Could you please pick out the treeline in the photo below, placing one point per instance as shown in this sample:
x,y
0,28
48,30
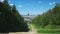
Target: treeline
x,y
10,19
50,17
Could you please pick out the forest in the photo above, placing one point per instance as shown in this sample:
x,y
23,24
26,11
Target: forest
x,y
10,19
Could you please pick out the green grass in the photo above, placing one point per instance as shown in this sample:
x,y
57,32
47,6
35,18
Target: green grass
x,y
49,31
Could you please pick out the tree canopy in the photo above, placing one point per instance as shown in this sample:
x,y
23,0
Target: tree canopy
x,y
10,19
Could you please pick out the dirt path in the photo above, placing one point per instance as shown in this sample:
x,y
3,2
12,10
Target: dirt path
x,y
32,31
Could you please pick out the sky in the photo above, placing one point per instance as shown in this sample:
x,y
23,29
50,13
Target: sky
x,y
33,7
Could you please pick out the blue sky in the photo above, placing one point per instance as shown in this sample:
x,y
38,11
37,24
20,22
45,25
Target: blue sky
x,y
33,7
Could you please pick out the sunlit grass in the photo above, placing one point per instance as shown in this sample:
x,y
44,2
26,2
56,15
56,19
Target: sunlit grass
x,y
48,33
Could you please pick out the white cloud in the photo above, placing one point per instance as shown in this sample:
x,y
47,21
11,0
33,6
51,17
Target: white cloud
x,y
11,4
20,6
1,0
54,2
51,3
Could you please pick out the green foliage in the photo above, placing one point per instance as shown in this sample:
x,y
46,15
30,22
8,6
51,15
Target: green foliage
x,y
51,17
10,19
48,31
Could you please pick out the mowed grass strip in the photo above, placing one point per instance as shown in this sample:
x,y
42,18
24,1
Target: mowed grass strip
x,y
49,31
